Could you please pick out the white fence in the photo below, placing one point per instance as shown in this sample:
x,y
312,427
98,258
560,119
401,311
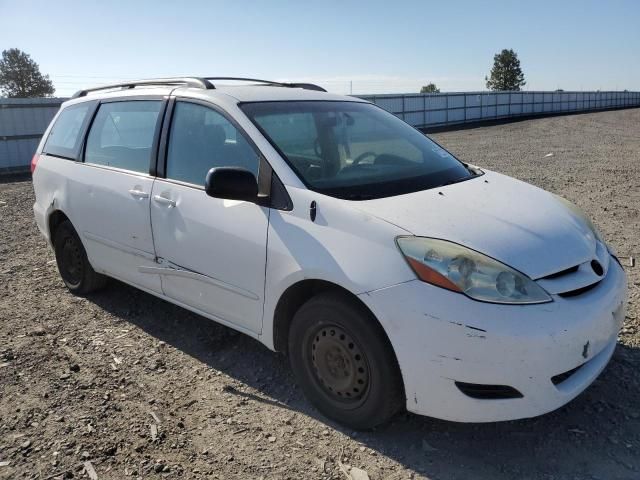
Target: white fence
x,y
23,121
443,109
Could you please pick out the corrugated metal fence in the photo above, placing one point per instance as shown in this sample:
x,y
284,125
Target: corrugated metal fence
x,y
442,109
23,121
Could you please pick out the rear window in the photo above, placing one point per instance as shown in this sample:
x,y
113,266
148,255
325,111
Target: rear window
x,y
122,135
65,137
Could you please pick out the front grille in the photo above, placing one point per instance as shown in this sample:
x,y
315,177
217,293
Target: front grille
x,y
578,291
562,273
561,377
488,392
576,280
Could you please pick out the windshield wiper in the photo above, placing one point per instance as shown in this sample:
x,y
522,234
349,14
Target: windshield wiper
x,y
475,171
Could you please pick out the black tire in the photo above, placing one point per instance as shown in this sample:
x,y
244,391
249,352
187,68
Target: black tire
x,y
73,264
344,362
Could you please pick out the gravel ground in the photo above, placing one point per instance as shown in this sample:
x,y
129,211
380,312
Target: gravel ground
x,y
140,388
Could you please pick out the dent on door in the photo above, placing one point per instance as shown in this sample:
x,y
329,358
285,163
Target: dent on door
x,y
211,253
176,271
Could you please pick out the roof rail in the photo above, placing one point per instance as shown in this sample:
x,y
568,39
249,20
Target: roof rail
x,y
187,81
306,86
196,82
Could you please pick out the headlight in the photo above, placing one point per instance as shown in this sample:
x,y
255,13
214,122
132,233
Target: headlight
x,y
463,270
581,215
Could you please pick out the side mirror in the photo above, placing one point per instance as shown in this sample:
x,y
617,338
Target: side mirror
x,y
231,183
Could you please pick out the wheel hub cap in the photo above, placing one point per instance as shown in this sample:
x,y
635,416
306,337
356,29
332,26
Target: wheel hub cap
x,y
339,364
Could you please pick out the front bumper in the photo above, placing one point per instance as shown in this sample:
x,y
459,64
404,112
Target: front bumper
x,y
441,337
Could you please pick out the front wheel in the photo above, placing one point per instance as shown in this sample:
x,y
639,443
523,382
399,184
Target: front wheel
x,y
73,264
344,363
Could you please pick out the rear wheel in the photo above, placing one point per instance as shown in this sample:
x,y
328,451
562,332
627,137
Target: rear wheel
x,y
344,362
73,264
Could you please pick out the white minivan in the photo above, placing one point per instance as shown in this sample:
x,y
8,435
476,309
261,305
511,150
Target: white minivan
x,y
391,273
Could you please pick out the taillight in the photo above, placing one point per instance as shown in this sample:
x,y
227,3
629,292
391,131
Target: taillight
x,y
34,162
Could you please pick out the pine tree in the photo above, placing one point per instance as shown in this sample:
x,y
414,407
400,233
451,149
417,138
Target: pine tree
x,y
506,73
431,88
20,76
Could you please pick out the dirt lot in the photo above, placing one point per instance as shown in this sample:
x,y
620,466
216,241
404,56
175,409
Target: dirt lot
x,y
141,388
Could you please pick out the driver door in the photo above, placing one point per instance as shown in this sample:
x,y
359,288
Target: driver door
x,y
212,251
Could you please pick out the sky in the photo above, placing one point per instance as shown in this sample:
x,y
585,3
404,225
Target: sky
x,y
358,47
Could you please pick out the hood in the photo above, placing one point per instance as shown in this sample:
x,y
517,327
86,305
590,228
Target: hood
x,y
516,223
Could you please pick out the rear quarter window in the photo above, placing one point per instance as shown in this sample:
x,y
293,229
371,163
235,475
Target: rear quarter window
x,y
65,137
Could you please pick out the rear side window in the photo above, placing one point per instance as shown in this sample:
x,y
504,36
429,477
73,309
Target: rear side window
x,y
122,134
65,137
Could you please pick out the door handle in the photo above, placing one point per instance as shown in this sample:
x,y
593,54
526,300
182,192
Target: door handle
x,y
139,193
165,201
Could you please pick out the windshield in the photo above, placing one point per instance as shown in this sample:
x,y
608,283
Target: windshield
x,y
354,150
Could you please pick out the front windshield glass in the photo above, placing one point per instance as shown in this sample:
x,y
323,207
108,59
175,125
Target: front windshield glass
x,y
354,150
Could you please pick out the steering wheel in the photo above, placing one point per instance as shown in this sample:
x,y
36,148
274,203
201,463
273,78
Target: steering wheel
x,y
362,156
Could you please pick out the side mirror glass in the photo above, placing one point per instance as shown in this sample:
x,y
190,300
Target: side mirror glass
x,y
231,183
